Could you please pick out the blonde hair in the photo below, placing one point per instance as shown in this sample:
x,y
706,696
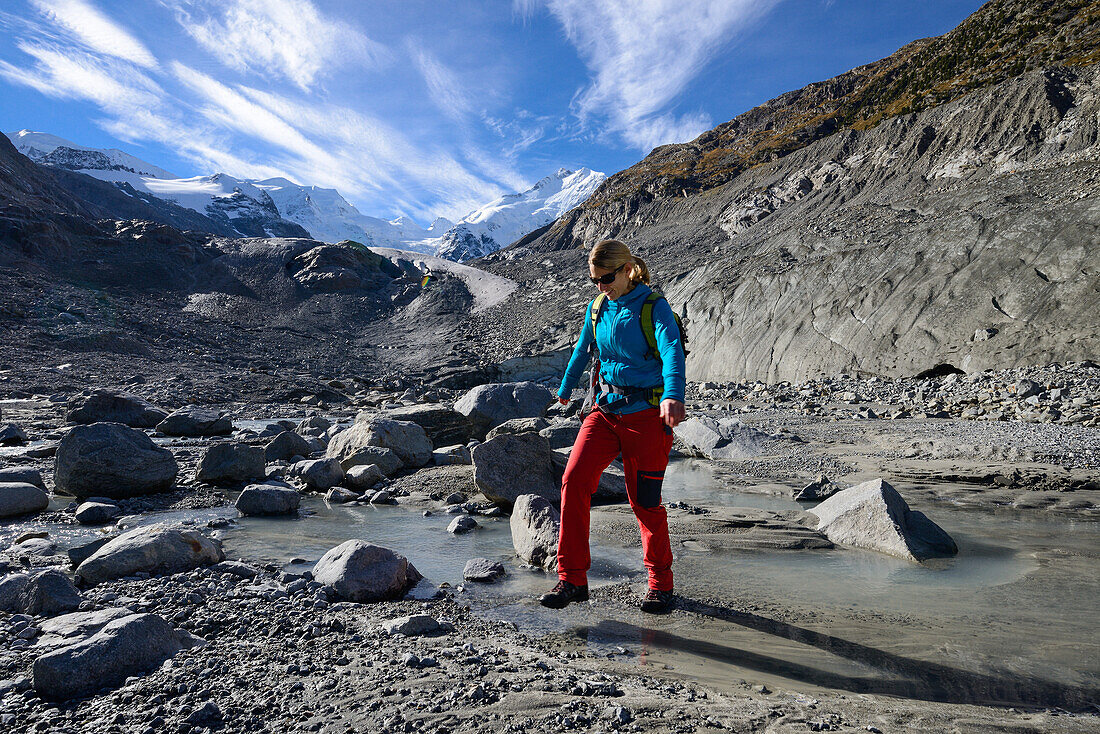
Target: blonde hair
x,y
613,254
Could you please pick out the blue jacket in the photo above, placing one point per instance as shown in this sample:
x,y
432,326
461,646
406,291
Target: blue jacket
x,y
623,349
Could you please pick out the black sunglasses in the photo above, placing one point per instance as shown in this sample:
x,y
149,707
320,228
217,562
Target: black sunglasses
x,y
607,278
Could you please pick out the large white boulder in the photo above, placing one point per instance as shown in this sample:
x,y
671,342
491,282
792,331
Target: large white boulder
x,y
873,515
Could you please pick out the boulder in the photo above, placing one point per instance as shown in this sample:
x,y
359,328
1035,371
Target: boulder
x,y
381,497
12,435
114,406
319,474
518,425
610,490
1025,388
363,572
821,489
20,498
482,570
363,476
24,474
268,499
96,513
44,593
873,515
516,464
340,495
65,629
487,406
561,435
443,425
727,438
124,647
523,463
155,549
406,439
314,427
230,463
411,626
449,455
387,461
79,554
112,460
193,421
462,525
33,546
236,568
535,527
286,446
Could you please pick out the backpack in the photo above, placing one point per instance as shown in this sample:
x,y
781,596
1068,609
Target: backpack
x,y
649,331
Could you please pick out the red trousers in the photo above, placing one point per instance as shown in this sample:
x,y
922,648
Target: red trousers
x,y
644,441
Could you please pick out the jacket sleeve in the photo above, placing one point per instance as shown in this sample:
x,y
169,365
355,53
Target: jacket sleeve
x,y
579,360
671,350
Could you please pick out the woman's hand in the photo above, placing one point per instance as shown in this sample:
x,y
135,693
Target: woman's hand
x,y
563,401
672,412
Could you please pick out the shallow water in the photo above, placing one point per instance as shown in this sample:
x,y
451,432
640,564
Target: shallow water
x,y
1010,620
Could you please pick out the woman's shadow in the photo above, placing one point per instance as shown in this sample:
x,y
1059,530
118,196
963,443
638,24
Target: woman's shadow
x,y
890,674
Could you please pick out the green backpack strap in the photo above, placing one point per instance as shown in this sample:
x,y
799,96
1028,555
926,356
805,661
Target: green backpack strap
x,y
594,312
649,330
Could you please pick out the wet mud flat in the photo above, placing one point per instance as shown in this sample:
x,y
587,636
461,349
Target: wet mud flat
x,y
770,633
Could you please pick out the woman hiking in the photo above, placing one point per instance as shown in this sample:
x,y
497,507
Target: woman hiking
x,y
637,343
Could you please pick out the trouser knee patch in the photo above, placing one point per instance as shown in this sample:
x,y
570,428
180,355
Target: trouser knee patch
x,y
649,488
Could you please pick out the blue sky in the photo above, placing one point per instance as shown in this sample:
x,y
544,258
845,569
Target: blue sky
x,y
422,108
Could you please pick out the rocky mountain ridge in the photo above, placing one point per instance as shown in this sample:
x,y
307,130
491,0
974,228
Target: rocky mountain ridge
x,y
1000,41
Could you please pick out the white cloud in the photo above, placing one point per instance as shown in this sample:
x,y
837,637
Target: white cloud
x,y
647,134
642,54
444,87
96,30
290,37
69,74
367,156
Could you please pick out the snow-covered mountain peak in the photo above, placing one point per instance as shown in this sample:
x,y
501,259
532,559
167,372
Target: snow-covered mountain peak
x,y
505,220
274,206
61,153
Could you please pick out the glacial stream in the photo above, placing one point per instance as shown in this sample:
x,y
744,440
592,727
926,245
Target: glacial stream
x,y
1010,621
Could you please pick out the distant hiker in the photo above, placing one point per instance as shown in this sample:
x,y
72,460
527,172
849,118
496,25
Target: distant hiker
x,y
635,338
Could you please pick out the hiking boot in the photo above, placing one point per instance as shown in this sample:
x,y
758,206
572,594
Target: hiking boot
x,y
562,594
657,602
